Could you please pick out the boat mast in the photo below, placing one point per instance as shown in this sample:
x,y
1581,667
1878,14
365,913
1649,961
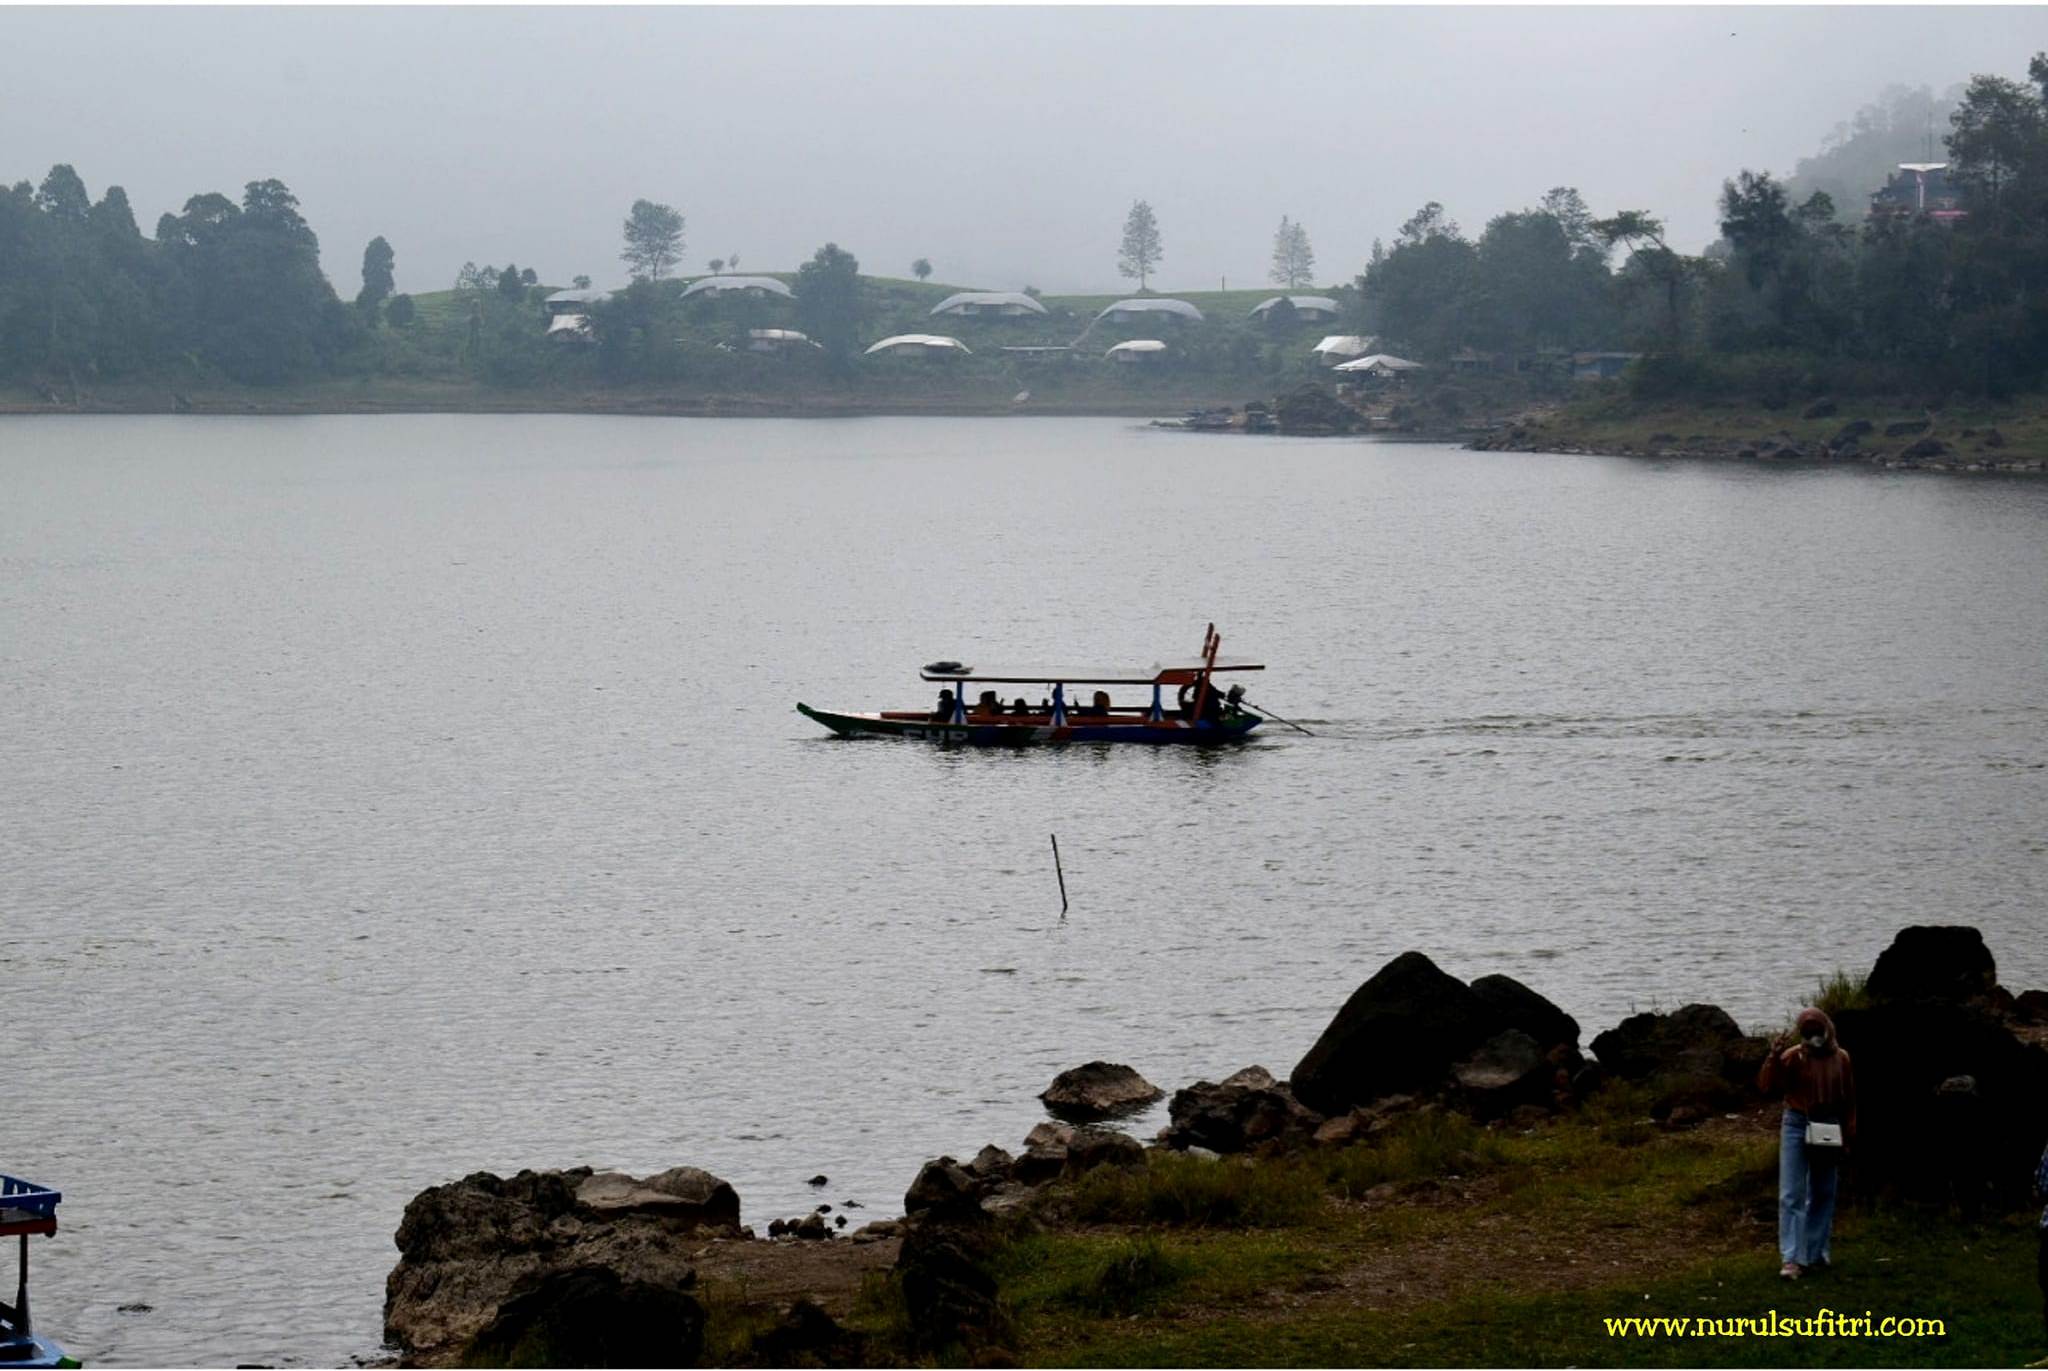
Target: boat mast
x,y
1211,641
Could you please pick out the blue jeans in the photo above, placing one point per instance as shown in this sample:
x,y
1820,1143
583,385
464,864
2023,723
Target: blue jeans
x,y
1806,1193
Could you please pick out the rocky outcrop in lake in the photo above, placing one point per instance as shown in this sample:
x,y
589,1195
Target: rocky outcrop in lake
x,y
1097,1091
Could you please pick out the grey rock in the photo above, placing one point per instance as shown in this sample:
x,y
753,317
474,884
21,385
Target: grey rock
x,y
1098,1090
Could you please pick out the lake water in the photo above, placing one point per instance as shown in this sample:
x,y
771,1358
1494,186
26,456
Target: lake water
x,y
382,799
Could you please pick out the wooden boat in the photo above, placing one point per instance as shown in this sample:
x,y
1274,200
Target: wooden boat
x,y
26,1209
1200,710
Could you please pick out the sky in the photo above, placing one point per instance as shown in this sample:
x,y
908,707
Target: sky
x,y
1004,144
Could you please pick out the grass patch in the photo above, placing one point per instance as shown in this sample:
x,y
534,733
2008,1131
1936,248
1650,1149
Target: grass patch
x,y
1174,1188
732,1320
1843,990
1427,1146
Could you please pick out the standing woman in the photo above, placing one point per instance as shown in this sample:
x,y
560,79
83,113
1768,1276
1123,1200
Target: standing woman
x,y
1819,1128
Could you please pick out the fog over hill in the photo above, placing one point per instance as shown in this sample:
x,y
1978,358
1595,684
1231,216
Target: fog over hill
x,y
1005,145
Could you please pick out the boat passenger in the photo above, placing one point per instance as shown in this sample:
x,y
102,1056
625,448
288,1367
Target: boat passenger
x,y
989,703
945,710
1020,707
1097,707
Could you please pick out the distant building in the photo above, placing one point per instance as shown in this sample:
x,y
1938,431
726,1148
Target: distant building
x,y
1315,309
1342,347
1130,311
737,285
912,344
1600,366
1137,352
564,327
574,301
1381,364
1919,188
775,340
1467,362
1006,304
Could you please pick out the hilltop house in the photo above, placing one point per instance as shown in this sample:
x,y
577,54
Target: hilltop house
x,y
1312,309
1131,311
737,285
1002,304
1342,347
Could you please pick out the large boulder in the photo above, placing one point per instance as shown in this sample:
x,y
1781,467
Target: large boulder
x,y
589,1316
949,1294
1514,1005
1397,1034
696,1198
1098,1090
1508,1070
1093,1147
1694,1057
1934,962
465,1247
1245,1110
806,1335
943,1186
1975,1145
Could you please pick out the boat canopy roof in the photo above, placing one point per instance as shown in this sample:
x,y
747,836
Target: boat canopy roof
x,y
1156,674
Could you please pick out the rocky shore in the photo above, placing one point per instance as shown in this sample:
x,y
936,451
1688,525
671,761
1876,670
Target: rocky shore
x,y
575,1267
1924,443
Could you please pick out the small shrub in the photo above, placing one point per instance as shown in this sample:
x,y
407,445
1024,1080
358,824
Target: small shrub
x,y
1422,1147
1620,1113
1177,1189
1130,1278
1841,991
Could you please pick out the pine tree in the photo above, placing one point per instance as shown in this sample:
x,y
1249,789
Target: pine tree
x,y
1141,251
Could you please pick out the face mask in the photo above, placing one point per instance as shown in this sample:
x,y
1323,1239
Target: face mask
x,y
1816,1041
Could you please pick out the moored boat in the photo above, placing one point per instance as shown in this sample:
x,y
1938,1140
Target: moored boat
x,y
1200,710
26,1210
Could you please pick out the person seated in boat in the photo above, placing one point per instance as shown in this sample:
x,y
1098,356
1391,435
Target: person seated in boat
x,y
945,710
988,703
1020,707
1097,707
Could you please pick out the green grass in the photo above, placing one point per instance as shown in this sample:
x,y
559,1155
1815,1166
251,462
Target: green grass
x,y
1459,1273
1228,1192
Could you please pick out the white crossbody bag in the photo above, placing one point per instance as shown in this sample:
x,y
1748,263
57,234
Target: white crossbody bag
x,y
1823,1135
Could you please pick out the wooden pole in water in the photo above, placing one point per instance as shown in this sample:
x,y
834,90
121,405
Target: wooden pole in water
x,y
1061,873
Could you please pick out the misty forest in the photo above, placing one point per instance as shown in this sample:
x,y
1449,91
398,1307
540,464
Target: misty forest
x,y
1802,289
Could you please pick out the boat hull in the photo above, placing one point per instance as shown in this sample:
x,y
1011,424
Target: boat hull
x,y
1028,734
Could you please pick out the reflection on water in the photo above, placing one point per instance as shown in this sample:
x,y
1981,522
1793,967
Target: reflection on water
x,y
391,798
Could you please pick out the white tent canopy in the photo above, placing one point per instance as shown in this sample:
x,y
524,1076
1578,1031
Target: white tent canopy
x,y
1339,346
725,285
989,302
1151,304
1381,364
929,342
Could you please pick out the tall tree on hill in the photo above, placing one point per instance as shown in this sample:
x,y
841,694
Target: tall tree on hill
x,y
654,239
1996,131
510,284
828,302
400,311
1141,250
1294,261
377,279
63,197
717,265
921,268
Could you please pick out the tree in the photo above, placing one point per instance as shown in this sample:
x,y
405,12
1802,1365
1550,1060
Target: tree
x,y
1643,234
654,240
377,279
717,265
1294,261
63,197
828,302
1426,223
509,283
113,216
1996,129
528,276
581,282
921,268
1141,250
1574,220
732,259
400,311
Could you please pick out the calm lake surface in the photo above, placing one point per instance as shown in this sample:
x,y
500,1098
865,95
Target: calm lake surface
x,y
383,799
